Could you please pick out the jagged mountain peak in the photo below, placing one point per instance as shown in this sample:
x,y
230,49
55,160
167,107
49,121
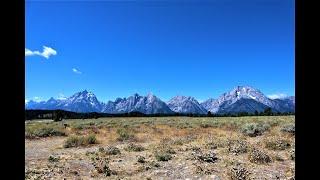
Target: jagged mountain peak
x,y
183,99
148,104
243,92
186,104
240,98
51,99
236,94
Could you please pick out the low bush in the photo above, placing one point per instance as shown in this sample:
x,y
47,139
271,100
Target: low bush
x,y
258,157
289,128
205,125
163,156
53,159
124,135
102,167
219,142
292,154
141,159
238,172
134,147
44,132
254,129
91,139
75,141
164,153
277,144
209,157
278,158
237,146
182,140
111,150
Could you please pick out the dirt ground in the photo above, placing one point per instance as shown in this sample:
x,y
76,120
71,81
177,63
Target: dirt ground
x,y
188,146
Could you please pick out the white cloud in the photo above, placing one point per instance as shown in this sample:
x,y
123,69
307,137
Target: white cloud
x,y
61,96
76,71
277,96
46,53
26,101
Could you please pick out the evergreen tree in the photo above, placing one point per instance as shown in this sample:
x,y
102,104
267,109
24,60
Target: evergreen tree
x,y
57,115
268,111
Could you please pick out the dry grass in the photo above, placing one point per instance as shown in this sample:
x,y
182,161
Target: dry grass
x,y
165,147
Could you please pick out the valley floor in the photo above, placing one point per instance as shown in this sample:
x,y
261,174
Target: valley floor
x,y
162,148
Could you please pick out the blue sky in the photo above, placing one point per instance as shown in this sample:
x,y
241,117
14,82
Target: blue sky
x,y
200,49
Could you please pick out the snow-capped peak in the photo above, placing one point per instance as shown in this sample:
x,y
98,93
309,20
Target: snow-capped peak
x,y
236,94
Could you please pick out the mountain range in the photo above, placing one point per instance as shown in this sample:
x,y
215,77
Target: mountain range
x,y
239,99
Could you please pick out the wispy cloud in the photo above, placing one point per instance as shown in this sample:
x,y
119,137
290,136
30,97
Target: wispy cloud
x,y
46,53
277,96
76,71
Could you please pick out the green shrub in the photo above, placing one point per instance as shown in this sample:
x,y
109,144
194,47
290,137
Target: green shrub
x,y
292,154
163,156
91,139
278,158
277,144
289,128
238,172
237,146
53,159
217,142
44,132
124,135
254,129
169,150
181,140
101,149
75,141
163,153
102,167
205,125
134,147
111,150
259,157
141,159
209,157
154,164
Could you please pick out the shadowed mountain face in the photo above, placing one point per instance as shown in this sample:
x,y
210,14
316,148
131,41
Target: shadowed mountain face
x,y
242,105
239,99
285,104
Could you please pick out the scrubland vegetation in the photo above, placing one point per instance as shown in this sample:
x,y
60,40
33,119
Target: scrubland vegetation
x,y
253,147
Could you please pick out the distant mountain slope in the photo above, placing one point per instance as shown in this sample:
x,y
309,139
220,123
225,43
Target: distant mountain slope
x,y
246,99
149,104
239,99
236,94
242,105
83,101
183,104
285,104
